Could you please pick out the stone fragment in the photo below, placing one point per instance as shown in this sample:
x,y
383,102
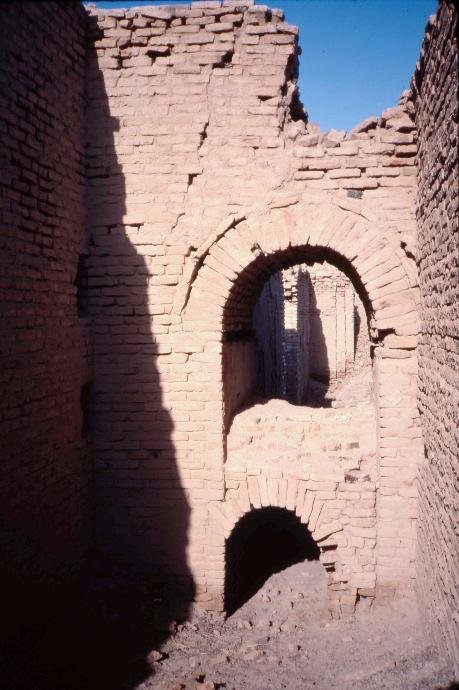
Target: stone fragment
x,y
154,657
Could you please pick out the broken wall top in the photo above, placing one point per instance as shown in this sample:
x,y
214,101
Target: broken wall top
x,y
195,109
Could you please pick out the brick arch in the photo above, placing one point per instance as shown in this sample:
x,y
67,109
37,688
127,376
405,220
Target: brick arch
x,y
237,314
290,494
227,262
232,263
267,492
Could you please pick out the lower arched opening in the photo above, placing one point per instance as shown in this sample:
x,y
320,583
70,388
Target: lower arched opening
x,y
264,542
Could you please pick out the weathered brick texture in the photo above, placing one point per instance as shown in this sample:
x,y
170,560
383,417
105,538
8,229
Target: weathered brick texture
x,y
44,493
204,178
268,327
157,214
435,87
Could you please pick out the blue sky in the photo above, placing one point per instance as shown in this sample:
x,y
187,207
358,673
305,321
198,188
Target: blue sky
x,y
357,55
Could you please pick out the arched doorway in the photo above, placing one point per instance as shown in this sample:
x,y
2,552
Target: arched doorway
x,y
315,459
263,542
257,360
215,301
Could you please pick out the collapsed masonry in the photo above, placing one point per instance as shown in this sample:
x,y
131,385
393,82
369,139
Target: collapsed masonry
x,y
139,272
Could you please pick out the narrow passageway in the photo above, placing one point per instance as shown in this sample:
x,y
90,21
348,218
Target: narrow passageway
x,y
264,542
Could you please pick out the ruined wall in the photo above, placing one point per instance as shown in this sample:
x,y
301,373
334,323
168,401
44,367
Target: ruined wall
x,y
435,87
268,324
331,314
296,334
203,178
202,169
44,494
184,111
304,335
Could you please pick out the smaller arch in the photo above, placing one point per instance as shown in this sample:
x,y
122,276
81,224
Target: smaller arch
x,y
264,541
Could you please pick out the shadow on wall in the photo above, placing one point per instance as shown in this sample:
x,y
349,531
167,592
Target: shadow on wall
x,y
142,515
319,358
357,327
128,606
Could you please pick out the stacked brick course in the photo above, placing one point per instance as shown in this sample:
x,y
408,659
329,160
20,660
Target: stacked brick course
x,y
332,320
435,86
296,334
268,327
45,504
203,179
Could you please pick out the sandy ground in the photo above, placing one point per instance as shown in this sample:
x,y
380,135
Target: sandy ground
x,y
284,638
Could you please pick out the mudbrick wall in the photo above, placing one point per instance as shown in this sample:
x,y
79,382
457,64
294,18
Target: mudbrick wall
x,y
332,320
435,87
44,491
295,334
268,327
204,179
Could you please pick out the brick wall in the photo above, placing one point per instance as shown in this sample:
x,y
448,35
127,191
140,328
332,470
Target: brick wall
x,y
296,333
435,87
204,178
332,323
268,324
44,494
304,334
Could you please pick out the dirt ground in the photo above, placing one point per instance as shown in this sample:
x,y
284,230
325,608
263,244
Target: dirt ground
x,y
284,638
123,635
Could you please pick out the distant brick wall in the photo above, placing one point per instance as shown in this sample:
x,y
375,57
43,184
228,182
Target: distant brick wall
x,y
268,323
296,333
44,493
332,323
435,87
303,333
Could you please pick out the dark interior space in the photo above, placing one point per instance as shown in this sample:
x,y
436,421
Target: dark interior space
x,y
264,542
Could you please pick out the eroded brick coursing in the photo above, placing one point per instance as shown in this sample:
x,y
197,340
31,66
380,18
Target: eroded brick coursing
x,y
435,86
45,505
203,178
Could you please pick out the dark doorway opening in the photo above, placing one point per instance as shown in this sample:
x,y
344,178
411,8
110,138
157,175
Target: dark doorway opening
x,y
262,543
